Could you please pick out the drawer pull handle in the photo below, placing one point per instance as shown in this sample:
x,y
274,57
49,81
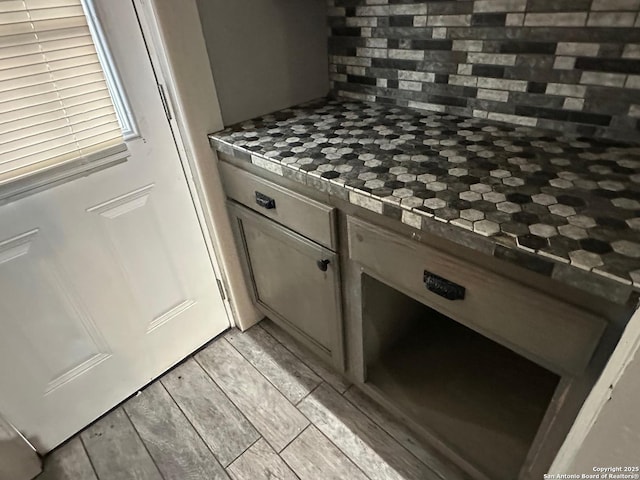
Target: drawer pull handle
x,y
443,287
265,201
323,264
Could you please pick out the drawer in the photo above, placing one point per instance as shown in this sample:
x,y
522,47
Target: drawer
x,y
312,219
546,330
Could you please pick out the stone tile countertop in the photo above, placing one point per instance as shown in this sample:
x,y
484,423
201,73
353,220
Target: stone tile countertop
x,y
566,207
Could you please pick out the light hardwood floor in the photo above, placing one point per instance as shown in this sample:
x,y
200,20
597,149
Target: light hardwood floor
x,y
249,406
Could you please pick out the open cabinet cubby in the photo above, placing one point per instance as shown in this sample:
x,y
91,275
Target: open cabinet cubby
x,y
480,399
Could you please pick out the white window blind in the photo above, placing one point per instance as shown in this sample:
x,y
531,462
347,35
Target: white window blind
x,y
55,106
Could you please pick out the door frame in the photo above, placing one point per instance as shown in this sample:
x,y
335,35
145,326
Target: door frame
x,y
176,47
18,458
627,351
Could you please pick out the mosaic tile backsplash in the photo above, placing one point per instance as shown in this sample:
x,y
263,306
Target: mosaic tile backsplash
x,y
569,65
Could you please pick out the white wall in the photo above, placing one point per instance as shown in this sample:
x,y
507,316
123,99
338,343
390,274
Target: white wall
x,y
265,55
607,430
614,439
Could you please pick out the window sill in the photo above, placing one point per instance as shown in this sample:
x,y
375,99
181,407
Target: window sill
x,y
37,181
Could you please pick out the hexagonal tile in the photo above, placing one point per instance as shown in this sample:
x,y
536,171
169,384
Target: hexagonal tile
x,y
571,201
573,232
585,184
436,186
434,203
626,248
626,203
471,214
499,173
374,184
519,198
486,228
460,222
411,202
343,168
513,181
582,221
634,223
508,207
585,260
543,230
406,177
470,196
544,199
402,192
426,178
367,176
494,197
530,241
611,185
562,210
514,229
398,170
372,162
595,246
560,183
480,188
458,172
531,168
526,218
612,223
446,213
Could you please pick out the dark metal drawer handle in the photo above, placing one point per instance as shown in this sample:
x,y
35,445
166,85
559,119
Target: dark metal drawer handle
x,y
443,287
264,201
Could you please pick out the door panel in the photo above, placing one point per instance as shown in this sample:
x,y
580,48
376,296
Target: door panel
x,y
40,309
127,222
288,283
105,281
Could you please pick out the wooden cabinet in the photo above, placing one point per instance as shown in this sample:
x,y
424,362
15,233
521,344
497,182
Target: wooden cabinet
x,y
546,330
294,280
488,369
478,364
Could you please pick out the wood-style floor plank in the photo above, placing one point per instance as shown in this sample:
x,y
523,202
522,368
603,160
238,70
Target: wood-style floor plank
x,y
218,421
318,366
276,419
398,430
283,369
174,445
68,462
260,462
364,442
313,456
116,451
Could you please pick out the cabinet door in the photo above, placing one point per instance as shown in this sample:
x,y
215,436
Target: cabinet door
x,y
295,281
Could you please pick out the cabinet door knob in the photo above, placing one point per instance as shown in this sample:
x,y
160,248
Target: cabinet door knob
x,y
323,264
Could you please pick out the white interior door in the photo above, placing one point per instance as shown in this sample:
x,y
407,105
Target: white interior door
x,y
105,281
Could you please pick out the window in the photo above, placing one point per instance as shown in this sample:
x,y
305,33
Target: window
x,y
55,104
